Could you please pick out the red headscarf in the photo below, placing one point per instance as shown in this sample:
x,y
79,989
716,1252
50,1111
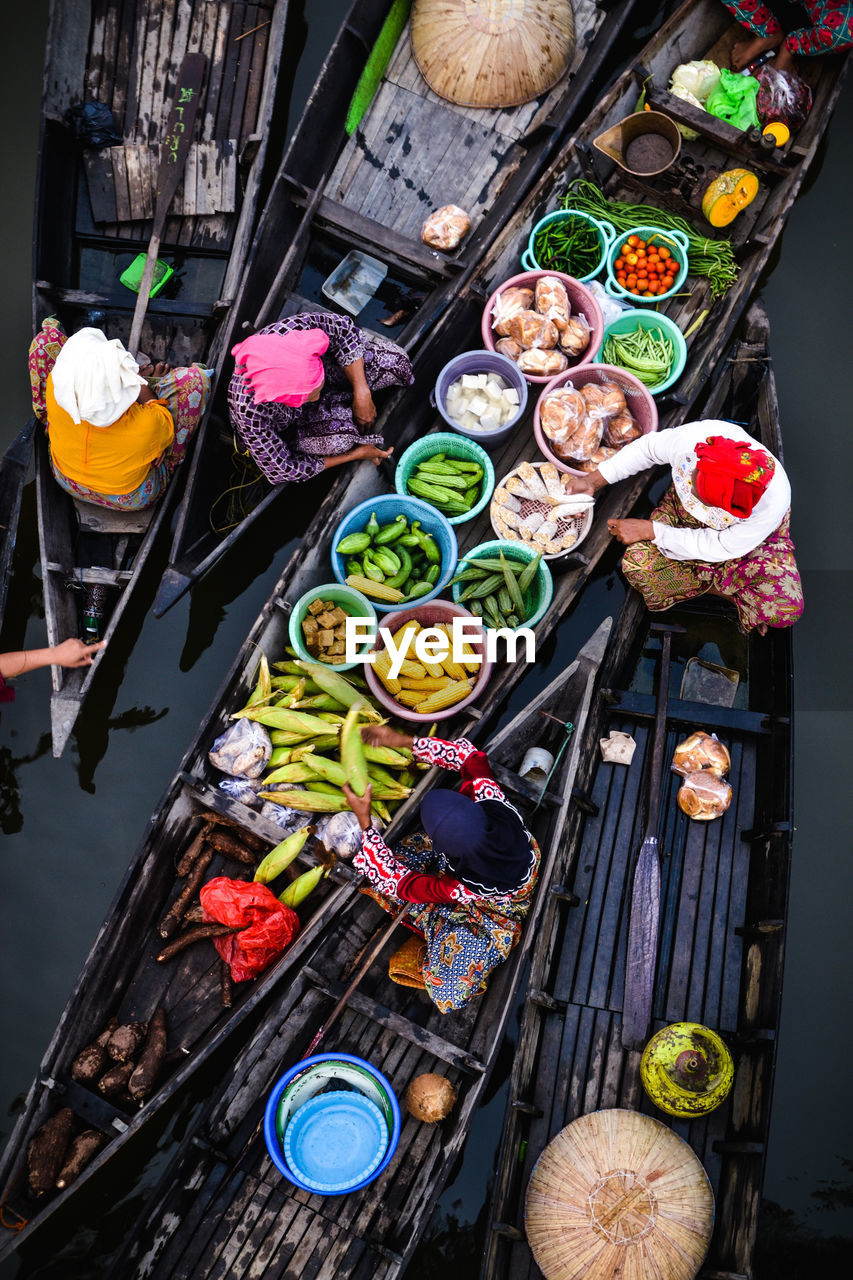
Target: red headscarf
x,y
731,475
283,367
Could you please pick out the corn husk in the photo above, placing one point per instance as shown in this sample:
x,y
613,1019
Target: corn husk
x,y
281,856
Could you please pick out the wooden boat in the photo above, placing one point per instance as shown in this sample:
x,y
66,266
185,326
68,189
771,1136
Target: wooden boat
x,y
412,152
94,215
222,1204
14,466
697,29
723,906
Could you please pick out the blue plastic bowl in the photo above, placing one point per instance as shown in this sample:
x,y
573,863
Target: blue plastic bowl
x,y
275,1147
628,322
335,1142
387,507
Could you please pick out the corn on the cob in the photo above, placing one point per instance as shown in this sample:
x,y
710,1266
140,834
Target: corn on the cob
x,y
352,751
470,661
387,756
281,856
318,702
299,889
297,771
382,667
429,683
323,788
340,688
306,801
444,697
328,770
262,688
410,697
378,590
414,670
454,670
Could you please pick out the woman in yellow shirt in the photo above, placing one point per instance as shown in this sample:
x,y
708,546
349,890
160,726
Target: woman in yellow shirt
x,y
117,430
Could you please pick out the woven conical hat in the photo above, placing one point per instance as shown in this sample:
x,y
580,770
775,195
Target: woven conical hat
x,y
492,53
617,1193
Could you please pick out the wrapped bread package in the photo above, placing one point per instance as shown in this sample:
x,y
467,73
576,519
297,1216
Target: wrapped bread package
x,y
445,227
699,753
601,455
508,304
585,439
703,796
529,329
575,335
562,412
509,347
542,363
551,300
621,429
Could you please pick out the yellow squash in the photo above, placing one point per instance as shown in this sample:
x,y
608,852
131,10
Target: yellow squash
x,y
727,195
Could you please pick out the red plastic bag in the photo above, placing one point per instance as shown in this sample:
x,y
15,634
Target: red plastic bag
x,y
268,925
782,96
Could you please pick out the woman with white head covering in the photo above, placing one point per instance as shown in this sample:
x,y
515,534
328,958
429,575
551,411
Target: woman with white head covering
x,y
117,430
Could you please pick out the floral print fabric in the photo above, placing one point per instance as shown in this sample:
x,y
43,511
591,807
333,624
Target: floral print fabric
x,y
831,24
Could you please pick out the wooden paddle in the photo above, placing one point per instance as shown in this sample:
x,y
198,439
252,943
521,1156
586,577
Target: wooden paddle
x,y
645,898
174,149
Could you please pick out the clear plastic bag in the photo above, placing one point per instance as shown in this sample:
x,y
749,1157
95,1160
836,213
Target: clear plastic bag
x,y
782,96
243,750
340,833
242,789
611,308
289,820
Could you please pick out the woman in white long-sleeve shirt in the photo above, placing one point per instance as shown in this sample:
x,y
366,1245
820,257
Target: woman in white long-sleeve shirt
x,y
721,528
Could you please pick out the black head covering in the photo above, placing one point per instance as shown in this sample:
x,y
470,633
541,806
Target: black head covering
x,y
484,842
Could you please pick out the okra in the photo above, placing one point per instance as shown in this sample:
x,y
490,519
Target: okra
x,y
529,573
512,587
477,590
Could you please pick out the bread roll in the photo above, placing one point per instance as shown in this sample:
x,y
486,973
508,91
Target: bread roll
x,y
532,330
704,796
574,338
621,429
551,300
700,752
509,347
508,304
445,227
542,363
561,413
613,398
601,455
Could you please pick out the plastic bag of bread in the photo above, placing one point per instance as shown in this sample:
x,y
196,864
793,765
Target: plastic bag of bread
x,y
551,300
531,330
507,304
574,338
592,464
586,438
445,227
704,796
509,347
562,412
621,429
542,364
700,752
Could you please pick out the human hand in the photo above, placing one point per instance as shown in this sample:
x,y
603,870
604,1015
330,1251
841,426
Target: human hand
x,y
371,453
589,483
630,531
158,370
383,735
363,408
360,805
74,653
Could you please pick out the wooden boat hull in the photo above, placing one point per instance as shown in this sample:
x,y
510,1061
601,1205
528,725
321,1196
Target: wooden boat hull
x,y
233,1203
94,215
412,153
723,908
14,466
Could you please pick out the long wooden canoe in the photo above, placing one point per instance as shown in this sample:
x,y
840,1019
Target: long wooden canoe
x,y
94,216
14,465
223,1205
412,152
723,905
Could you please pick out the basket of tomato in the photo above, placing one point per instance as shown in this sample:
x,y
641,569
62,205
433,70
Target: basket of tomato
x,y
647,265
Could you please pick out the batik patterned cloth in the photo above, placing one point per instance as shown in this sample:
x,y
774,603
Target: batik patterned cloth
x,y
185,392
763,585
831,26
290,444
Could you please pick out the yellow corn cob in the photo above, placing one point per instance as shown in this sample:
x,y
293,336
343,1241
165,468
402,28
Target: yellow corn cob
x,y
376,589
412,671
474,663
407,633
430,683
443,697
382,666
433,670
409,697
454,670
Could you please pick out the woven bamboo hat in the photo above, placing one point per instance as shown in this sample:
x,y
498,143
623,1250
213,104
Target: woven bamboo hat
x,y
492,53
617,1193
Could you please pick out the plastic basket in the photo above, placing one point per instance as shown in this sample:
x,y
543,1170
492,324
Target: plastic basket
x,y
542,585
581,524
484,361
580,300
132,275
353,602
628,322
454,446
640,402
387,507
675,241
427,615
605,231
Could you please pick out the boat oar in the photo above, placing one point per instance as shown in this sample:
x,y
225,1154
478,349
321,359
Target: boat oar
x,y
645,895
360,972
174,150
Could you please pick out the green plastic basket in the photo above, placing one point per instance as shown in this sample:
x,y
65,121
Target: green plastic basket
x,y
352,602
454,446
131,277
542,586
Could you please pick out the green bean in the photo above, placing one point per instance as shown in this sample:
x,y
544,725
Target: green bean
x,y
647,353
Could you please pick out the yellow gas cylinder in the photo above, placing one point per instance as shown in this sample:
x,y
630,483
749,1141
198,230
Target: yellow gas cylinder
x,y
686,1069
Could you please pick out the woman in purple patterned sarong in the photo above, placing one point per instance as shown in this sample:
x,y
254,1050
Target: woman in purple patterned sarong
x,y
306,404
722,528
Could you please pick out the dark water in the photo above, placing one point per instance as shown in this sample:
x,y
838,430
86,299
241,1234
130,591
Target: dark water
x,y
70,826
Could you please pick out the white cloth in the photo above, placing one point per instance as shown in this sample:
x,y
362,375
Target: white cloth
x,y
677,447
95,379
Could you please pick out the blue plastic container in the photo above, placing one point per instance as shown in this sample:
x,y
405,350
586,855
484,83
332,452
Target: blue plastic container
x,y
453,446
605,231
320,1124
387,507
628,322
482,362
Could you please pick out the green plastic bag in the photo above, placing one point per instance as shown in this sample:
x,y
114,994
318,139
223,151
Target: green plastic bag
x,y
733,100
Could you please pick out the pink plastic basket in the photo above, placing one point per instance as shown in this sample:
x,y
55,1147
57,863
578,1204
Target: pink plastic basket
x,y
640,402
581,300
427,615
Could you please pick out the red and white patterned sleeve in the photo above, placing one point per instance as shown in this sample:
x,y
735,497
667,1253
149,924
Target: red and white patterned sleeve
x,y
377,863
446,755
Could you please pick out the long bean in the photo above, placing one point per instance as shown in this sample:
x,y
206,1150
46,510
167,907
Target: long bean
x,y
647,353
713,259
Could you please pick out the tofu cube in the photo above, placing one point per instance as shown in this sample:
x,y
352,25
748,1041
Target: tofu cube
x,y
316,606
488,422
511,396
478,406
325,638
482,380
339,616
310,626
336,649
471,380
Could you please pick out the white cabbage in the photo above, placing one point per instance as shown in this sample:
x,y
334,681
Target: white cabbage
x,y
678,91
698,78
